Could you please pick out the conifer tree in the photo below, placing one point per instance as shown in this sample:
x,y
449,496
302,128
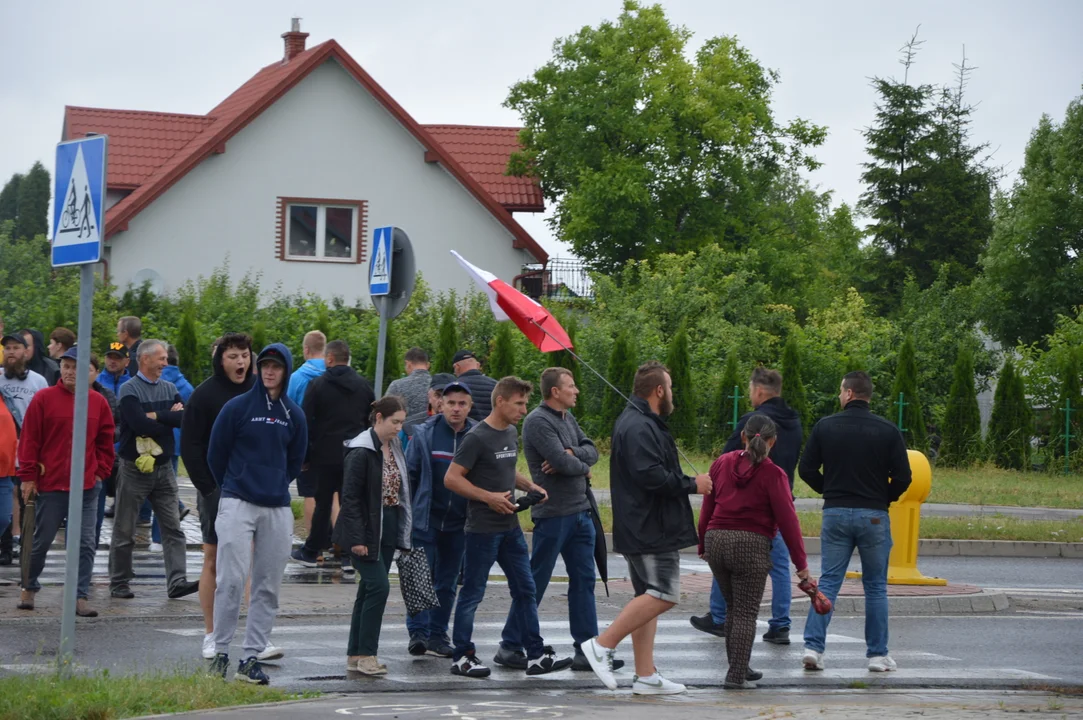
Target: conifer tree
x,y
679,362
502,356
1069,392
563,358
793,387
188,354
9,198
33,211
259,338
723,425
906,384
448,341
621,372
962,419
1010,426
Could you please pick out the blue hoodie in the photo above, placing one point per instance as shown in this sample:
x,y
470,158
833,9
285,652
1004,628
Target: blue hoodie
x,y
258,444
305,374
173,374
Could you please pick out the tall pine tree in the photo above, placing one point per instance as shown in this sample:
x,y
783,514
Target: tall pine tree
x,y
189,356
906,385
9,198
621,372
502,356
962,419
447,343
1010,426
1069,393
723,426
563,358
33,212
679,361
793,386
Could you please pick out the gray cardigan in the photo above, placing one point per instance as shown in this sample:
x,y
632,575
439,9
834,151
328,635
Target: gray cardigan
x,y
547,434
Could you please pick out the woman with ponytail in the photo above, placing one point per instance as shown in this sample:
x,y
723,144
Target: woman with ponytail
x,y
749,503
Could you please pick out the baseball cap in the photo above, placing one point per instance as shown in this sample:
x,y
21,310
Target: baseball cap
x,y
457,387
463,355
71,353
14,337
116,348
441,380
273,355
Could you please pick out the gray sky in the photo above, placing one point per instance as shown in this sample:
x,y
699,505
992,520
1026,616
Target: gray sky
x,y
452,62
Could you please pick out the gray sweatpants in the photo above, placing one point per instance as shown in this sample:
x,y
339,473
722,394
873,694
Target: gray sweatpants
x,y
256,537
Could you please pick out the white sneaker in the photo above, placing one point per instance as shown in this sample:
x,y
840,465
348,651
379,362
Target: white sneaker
x,y
155,547
208,646
601,662
882,663
270,653
812,660
655,685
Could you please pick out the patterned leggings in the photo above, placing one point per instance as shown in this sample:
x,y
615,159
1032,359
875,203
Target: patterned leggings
x,y
740,562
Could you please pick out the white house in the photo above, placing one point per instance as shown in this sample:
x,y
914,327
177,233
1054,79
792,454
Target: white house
x,y
289,175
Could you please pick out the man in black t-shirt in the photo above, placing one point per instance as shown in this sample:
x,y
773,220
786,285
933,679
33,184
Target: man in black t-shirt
x,y
483,471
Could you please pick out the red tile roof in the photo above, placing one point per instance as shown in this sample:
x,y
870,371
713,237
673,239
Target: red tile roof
x,y
484,152
151,151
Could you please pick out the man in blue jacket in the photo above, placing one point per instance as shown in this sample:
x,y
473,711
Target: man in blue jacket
x,y
439,514
312,347
257,445
764,390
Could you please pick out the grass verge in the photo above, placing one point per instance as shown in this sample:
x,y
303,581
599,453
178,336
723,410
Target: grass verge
x,y
104,696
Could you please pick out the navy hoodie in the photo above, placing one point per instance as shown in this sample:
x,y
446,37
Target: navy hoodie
x,y
257,444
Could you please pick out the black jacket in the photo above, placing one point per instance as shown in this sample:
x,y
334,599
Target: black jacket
x,y
481,391
651,508
337,406
360,517
40,362
202,410
788,443
859,452
133,358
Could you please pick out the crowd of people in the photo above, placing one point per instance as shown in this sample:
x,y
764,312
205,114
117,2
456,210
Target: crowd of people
x,y
431,467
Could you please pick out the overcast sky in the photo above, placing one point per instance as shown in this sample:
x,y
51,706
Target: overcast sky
x,y
452,62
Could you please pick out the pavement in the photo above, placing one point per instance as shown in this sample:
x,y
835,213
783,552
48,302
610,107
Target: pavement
x,y
696,705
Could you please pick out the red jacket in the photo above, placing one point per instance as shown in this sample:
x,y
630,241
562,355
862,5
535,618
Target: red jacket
x,y
45,443
8,442
754,498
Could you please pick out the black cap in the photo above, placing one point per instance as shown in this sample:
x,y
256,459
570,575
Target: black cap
x,y
14,337
463,355
457,386
273,355
116,348
441,380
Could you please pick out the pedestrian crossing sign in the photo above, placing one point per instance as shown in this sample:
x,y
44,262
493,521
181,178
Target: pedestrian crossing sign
x,y
380,268
79,201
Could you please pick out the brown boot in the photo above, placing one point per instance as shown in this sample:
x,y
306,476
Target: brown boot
x,y
26,600
82,608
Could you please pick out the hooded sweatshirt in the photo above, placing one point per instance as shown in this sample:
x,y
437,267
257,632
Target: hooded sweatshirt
x,y
787,447
258,444
299,380
41,363
337,406
202,409
752,498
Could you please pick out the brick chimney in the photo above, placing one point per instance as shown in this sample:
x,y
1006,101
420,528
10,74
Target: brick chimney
x,y
295,40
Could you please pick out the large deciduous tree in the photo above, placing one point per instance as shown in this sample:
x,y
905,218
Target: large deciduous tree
x,y
642,149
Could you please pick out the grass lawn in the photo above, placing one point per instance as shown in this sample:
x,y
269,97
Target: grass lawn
x,y
102,696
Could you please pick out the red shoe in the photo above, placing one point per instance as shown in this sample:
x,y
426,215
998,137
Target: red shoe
x,y
820,603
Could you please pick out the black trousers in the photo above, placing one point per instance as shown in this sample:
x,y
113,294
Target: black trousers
x,y
328,482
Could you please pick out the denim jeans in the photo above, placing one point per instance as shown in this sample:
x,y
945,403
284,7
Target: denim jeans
x,y
101,515
870,532
50,509
7,502
445,555
507,549
781,589
571,537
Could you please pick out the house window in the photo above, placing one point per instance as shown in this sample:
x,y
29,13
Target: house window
x,y
320,230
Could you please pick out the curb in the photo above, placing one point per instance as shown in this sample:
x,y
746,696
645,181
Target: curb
x,y
986,601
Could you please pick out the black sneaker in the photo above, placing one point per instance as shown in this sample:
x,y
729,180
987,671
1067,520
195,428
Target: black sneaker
x,y
305,558
5,558
781,636
547,663
183,589
250,671
706,623
417,645
469,666
123,592
581,664
514,659
183,513
219,665
753,675
439,648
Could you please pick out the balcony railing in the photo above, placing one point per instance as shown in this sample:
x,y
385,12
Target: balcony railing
x,y
560,279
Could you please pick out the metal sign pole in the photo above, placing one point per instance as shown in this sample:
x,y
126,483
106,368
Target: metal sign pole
x,y
381,346
74,532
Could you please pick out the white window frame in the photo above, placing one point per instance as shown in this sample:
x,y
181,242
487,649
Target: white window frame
x,y
321,232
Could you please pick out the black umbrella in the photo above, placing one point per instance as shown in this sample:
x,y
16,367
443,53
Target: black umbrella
x,y
601,552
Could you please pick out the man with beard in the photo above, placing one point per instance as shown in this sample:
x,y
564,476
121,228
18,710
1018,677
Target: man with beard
x,y
232,361
36,357
652,522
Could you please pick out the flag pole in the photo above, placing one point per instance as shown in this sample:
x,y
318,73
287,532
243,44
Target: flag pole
x,y
611,385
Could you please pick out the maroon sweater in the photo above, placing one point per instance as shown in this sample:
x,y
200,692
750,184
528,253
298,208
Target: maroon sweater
x,y
753,498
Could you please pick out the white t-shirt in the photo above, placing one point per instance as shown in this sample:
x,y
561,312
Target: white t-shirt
x,y
17,393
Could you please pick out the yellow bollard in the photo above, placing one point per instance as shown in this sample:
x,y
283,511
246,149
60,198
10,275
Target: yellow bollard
x,y
905,516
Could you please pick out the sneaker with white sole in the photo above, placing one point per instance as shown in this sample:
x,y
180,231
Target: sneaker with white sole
x,y
469,666
882,663
270,653
655,685
812,660
155,547
208,646
601,662
547,663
